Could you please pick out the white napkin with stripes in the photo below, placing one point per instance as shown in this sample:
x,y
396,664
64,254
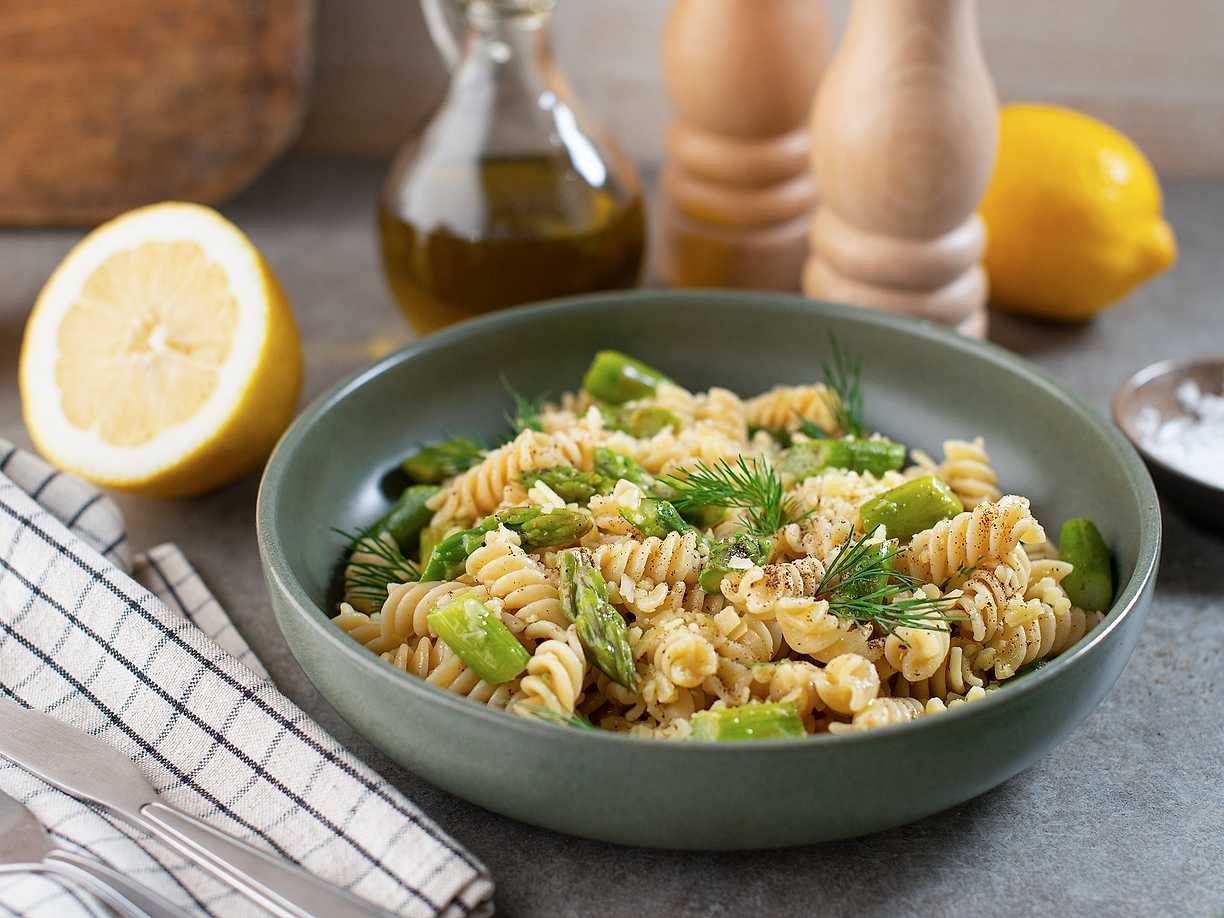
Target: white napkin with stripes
x,y
139,653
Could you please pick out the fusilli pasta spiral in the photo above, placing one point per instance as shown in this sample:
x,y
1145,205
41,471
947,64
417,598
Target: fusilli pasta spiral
x,y
848,683
723,410
882,712
758,590
438,665
671,560
967,470
516,579
555,675
685,657
782,407
405,613
366,630
374,564
480,489
989,531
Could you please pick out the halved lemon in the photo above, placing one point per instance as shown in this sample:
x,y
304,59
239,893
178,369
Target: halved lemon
x,y
161,356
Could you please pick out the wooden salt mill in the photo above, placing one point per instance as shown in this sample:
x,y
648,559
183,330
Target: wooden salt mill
x,y
903,143
736,194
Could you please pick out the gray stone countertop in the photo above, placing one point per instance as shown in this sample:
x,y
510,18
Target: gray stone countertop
x,y
1124,818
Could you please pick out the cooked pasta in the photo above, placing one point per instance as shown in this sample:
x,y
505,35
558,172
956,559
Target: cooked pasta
x,y
434,662
759,591
797,682
673,559
685,657
554,675
366,630
672,564
848,683
990,531
917,653
405,613
967,470
480,489
785,407
373,563
515,578
881,712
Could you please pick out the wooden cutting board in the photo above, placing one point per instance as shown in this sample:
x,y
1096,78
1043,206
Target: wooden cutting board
x,y
109,104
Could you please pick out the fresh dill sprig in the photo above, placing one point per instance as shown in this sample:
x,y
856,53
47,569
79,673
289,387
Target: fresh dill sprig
x,y
367,579
556,717
844,375
860,584
750,485
527,411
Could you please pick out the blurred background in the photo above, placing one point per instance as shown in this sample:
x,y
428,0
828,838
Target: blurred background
x,y
1154,71
1101,199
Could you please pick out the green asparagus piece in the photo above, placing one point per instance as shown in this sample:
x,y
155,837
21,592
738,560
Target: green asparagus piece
x,y
407,517
569,483
479,638
748,722
439,461
571,562
870,573
615,466
449,557
617,378
1090,584
655,517
911,507
727,555
646,420
553,529
536,528
432,535
601,629
810,457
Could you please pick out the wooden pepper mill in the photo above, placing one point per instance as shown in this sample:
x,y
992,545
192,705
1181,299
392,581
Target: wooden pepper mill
x,y
736,194
903,143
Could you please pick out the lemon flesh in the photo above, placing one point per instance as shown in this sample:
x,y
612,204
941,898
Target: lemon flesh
x,y
161,357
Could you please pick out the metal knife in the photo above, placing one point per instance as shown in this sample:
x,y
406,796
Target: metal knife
x,y
89,768
26,848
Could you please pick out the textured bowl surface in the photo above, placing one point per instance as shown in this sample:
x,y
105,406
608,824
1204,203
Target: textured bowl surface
x,y
922,385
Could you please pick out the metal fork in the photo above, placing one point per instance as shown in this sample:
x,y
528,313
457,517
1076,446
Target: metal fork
x,y
26,848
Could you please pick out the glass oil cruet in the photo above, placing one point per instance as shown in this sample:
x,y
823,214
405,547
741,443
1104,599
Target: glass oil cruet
x,y
511,193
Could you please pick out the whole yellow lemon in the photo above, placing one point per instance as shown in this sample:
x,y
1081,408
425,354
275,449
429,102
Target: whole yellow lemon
x,y
1073,213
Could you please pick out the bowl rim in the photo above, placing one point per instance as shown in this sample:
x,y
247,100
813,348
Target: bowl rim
x,y
279,573
1130,389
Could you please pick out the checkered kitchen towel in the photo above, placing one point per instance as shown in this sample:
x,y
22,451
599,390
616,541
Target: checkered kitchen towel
x,y
138,653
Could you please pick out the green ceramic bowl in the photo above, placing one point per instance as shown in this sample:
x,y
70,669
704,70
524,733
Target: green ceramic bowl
x,y
923,384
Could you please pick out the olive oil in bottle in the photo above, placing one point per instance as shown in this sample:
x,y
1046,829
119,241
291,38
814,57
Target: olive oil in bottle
x,y
471,238
511,193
